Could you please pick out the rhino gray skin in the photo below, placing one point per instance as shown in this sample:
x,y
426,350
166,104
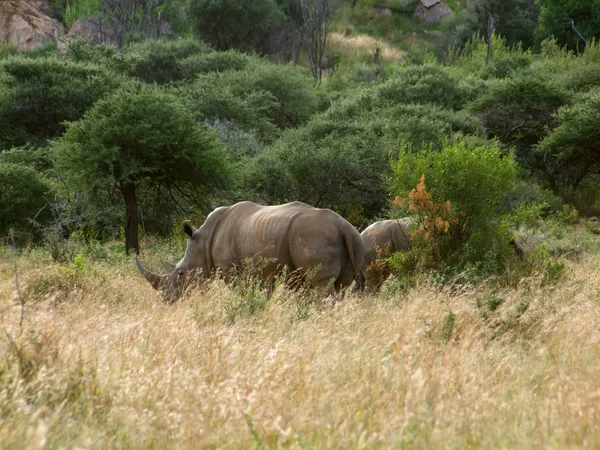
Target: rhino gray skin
x,y
296,235
380,240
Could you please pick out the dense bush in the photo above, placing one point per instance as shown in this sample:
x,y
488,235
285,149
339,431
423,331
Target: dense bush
x,y
340,169
158,61
259,97
227,24
576,141
459,200
519,111
37,95
23,194
426,84
212,62
514,19
555,17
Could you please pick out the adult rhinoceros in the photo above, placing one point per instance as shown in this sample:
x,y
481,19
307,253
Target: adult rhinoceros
x,y
296,235
380,240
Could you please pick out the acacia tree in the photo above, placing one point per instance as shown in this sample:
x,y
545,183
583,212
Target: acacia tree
x,y
141,136
575,143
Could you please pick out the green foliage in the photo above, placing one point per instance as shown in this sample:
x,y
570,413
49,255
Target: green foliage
x,y
530,192
80,9
514,19
506,59
23,194
427,125
430,83
527,214
142,137
212,62
80,50
555,21
227,24
38,95
337,169
575,143
158,61
260,97
463,201
519,111
552,270
568,215
140,131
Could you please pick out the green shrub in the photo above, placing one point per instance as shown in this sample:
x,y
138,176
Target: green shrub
x,y
458,199
527,191
157,61
80,50
38,95
284,95
337,168
79,9
427,125
574,145
527,214
553,21
212,62
23,194
519,111
430,83
227,24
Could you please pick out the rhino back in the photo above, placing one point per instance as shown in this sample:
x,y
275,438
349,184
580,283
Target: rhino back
x,y
249,230
386,235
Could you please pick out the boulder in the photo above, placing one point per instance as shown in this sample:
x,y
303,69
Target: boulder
x,y
26,27
432,11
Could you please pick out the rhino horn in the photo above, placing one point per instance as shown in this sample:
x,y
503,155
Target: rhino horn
x,y
153,278
169,267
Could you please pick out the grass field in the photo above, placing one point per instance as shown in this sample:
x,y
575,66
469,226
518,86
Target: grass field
x,y
100,362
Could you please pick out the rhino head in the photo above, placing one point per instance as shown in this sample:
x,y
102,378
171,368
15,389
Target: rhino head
x,y
179,276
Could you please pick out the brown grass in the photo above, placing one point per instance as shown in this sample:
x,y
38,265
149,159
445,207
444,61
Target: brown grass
x,y
103,363
362,44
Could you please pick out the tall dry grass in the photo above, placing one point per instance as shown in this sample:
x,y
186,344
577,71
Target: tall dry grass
x,y
363,44
102,363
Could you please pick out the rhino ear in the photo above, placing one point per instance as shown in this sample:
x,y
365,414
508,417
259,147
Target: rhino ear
x,y
188,228
169,267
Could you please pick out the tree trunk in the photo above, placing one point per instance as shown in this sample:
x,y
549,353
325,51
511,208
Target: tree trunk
x,y
131,217
490,32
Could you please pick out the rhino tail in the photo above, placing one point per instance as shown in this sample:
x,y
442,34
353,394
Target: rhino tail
x,y
356,254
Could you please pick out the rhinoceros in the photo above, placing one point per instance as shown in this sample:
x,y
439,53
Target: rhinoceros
x,y
380,240
306,240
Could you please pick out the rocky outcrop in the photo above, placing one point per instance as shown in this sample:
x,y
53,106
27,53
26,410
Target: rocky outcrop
x,y
25,26
432,11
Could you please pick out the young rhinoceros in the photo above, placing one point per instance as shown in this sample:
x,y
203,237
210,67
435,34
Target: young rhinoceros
x,y
380,240
306,240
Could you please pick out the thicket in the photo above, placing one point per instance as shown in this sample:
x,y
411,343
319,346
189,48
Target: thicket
x,y
192,127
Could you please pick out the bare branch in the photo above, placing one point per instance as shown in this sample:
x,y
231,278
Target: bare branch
x,y
577,31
